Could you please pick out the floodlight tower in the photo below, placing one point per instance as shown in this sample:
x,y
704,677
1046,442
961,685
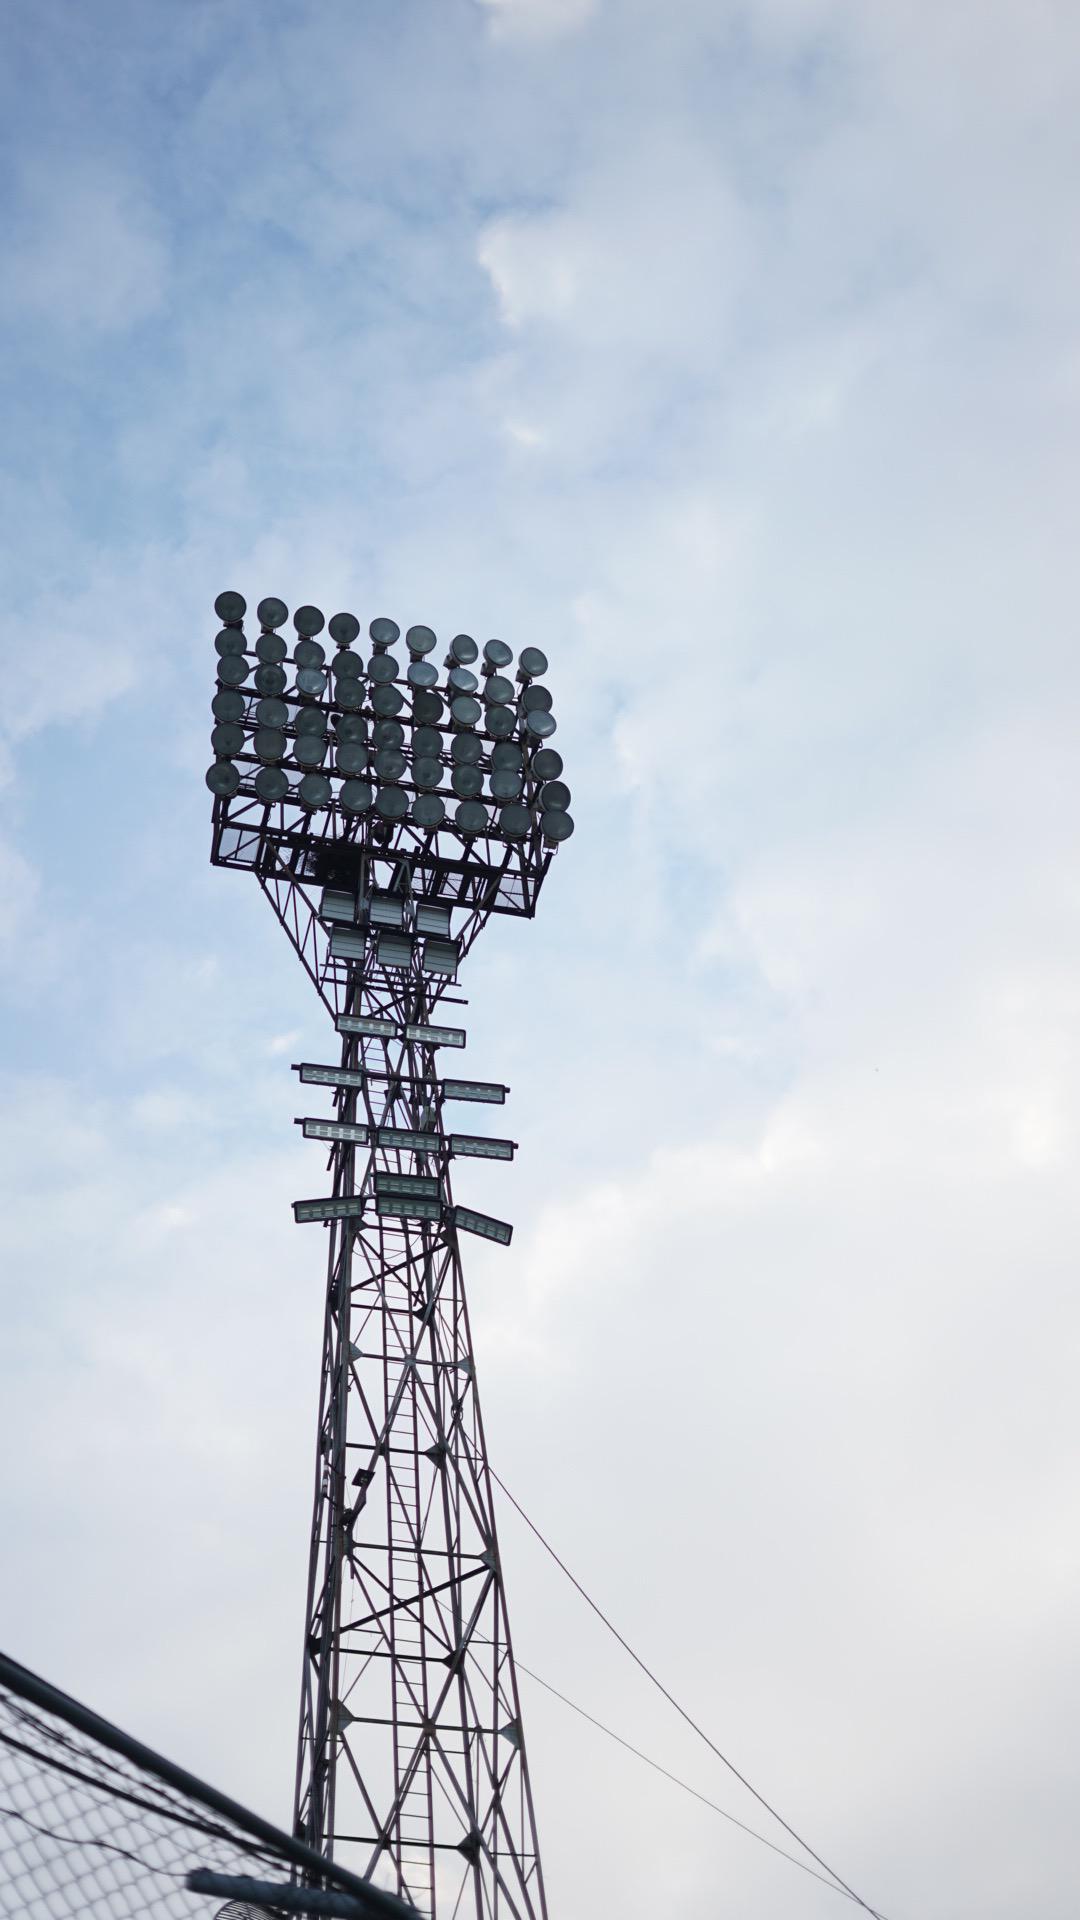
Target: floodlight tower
x,y
387,810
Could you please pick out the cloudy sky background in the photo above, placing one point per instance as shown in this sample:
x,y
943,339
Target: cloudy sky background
x,y
729,353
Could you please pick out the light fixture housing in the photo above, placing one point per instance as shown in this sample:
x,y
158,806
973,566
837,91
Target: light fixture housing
x,y
433,918
394,950
480,1146
483,1090
387,910
426,1185
483,1225
316,1076
435,1036
408,1207
407,1140
372,1027
345,1206
351,1132
347,943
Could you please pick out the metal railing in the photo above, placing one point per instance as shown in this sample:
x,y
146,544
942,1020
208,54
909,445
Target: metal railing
x,y
96,1825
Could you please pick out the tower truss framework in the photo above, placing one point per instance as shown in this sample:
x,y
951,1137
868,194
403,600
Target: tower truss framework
x,y
411,1757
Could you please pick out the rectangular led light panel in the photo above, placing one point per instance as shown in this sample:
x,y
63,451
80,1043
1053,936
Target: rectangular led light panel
x,y
440,956
387,910
413,1207
348,1206
347,943
436,1036
395,950
347,1130
312,1076
337,906
367,1023
484,1225
474,1090
424,1183
477,1146
432,919
411,1142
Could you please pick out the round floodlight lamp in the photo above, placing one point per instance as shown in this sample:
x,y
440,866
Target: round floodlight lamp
x,y
227,739
421,673
461,680
420,640
351,756
222,778
505,783
388,733
346,666
465,750
498,689
383,633
500,722
471,816
271,783
311,681
269,743
309,653
309,621
309,750
555,827
506,754
427,743
228,704
230,608
311,720
427,773
428,810
350,726
349,692
546,764
497,654
555,797
467,782
531,663
427,709
270,681
391,803
272,713
382,668
387,701
314,790
228,641
540,723
389,763
463,650
271,649
232,669
536,698
514,822
344,628
272,613
356,796
464,710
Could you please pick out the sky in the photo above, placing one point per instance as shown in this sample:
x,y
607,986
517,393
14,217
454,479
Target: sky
x,y
730,354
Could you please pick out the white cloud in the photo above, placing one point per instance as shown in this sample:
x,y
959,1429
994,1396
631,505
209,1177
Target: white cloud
x,y
88,250
537,19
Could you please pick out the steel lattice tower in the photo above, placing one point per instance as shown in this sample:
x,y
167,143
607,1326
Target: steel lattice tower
x,y
387,812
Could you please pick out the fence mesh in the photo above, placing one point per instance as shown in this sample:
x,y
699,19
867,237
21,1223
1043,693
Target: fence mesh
x,y
110,1832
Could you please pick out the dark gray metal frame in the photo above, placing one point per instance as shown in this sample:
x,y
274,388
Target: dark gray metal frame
x,y
411,1750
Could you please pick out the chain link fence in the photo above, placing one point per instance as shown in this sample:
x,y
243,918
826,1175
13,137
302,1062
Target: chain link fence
x,y
94,1825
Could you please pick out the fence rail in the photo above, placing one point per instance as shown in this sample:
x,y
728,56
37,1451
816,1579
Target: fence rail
x,y
94,1824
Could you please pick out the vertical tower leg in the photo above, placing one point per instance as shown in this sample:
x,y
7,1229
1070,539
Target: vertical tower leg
x,y
411,1761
